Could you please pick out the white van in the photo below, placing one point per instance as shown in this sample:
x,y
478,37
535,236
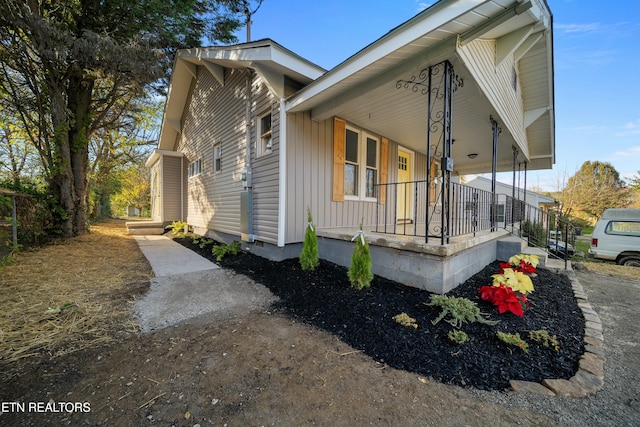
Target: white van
x,y
616,237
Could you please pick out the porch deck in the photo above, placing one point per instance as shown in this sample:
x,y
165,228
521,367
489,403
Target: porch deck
x,y
409,260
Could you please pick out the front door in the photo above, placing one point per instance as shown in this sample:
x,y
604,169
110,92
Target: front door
x,y
405,190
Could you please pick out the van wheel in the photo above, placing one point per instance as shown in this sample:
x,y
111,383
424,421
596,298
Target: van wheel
x,y
630,261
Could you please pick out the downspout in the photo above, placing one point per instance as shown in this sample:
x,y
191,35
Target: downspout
x,y
282,193
246,196
247,164
182,218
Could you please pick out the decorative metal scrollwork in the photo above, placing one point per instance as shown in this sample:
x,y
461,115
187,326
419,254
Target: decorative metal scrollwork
x,y
438,82
422,83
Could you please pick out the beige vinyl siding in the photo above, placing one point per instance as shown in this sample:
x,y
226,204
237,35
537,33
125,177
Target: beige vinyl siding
x,y
496,82
266,167
215,114
171,170
310,158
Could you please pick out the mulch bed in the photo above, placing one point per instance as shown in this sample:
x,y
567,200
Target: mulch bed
x,y
363,319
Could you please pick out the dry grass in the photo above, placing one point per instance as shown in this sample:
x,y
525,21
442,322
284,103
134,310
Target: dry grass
x,y
71,295
611,269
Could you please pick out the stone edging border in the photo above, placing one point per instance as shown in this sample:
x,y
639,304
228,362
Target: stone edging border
x,y
590,376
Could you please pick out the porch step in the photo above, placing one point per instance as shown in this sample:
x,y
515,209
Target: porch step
x,y
145,228
510,246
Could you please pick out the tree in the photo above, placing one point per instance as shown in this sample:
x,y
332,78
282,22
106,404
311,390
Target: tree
x,y
635,182
124,144
67,65
133,189
309,255
595,187
359,273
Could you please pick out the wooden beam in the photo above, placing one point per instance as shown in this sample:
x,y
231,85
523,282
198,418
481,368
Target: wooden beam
x,y
273,80
494,22
216,71
507,44
527,45
175,123
532,115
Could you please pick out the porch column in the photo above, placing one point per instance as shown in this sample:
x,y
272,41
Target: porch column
x,y
494,167
525,182
513,188
438,82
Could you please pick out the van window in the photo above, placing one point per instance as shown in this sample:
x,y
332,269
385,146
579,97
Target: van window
x,y
624,228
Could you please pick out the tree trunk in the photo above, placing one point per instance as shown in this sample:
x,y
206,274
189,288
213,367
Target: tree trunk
x,y
60,178
68,176
80,92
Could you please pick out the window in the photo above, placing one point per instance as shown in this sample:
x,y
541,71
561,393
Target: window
x,y
357,157
360,164
217,158
500,208
624,228
195,168
264,130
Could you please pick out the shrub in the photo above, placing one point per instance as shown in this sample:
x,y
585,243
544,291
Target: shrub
x,y
458,337
309,255
220,251
360,274
535,232
514,339
542,336
460,310
177,228
405,320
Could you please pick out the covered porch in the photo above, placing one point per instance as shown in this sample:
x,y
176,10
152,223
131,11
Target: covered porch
x,y
462,88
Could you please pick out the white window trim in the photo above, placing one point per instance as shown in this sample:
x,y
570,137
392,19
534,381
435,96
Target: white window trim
x,y
216,157
194,168
261,150
362,165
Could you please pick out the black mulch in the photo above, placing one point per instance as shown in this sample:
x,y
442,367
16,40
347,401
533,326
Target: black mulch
x,y
363,319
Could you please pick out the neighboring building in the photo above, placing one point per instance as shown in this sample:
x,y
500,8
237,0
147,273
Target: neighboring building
x,y
253,135
504,191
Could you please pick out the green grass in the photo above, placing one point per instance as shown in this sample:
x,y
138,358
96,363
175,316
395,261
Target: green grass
x,y
582,246
587,231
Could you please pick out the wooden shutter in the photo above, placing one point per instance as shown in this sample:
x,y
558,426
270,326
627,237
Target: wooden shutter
x,y
339,130
384,170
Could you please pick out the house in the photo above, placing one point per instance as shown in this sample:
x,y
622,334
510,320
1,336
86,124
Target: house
x,y
535,200
253,135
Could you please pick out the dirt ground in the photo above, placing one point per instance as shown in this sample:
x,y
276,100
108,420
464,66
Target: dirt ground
x,y
260,369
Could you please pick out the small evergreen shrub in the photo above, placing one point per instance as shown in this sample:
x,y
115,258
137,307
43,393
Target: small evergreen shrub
x,y
360,274
514,339
459,310
309,255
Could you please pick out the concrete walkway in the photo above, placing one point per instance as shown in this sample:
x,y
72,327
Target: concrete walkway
x,y
187,286
169,258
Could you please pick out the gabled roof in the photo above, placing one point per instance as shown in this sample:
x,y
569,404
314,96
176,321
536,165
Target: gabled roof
x,y
269,59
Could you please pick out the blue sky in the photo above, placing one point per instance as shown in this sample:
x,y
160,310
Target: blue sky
x,y
597,67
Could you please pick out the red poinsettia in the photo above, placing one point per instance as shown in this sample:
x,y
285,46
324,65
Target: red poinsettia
x,y
504,298
524,267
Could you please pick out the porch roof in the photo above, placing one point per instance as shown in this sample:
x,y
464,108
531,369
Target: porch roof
x,y
363,90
